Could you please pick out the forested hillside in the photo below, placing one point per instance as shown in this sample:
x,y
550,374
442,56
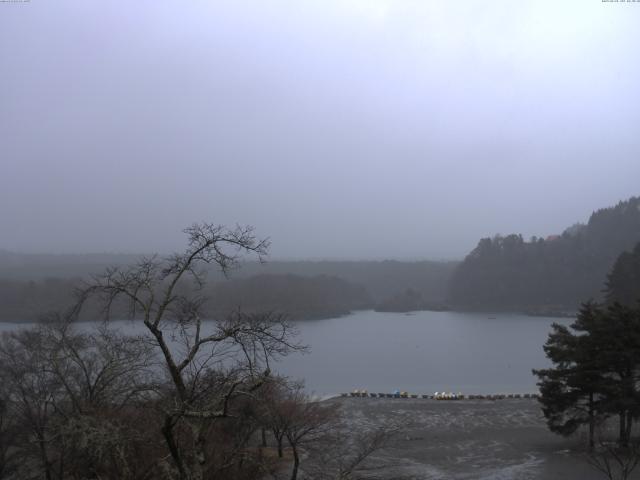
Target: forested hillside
x,y
552,274
623,283
382,279
34,284
300,297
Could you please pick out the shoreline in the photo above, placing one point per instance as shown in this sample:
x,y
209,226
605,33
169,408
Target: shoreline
x,y
471,439
313,318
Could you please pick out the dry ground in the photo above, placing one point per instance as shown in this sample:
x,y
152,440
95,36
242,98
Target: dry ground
x,y
470,439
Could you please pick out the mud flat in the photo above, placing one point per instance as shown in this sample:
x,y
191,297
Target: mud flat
x,y
472,439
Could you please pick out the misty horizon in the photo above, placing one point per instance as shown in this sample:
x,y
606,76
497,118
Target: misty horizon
x,y
340,130
270,258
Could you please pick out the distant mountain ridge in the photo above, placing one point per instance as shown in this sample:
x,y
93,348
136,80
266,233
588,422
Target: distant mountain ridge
x,y
556,273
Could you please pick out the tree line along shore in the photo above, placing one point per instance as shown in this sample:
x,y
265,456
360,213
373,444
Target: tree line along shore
x,y
543,276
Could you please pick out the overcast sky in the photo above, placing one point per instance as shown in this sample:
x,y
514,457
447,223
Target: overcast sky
x,y
340,129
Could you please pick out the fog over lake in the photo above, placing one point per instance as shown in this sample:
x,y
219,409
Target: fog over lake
x,y
420,352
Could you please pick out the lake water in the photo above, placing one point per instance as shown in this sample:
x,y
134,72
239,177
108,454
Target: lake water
x,y
421,352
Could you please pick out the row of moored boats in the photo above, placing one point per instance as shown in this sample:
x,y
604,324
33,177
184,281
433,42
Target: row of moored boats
x,y
438,395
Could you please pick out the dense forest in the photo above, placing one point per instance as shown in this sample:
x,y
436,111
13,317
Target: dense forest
x,y
541,275
623,283
410,300
25,301
31,285
382,279
551,274
300,297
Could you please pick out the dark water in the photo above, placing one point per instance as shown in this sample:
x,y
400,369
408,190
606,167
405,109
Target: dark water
x,y
422,352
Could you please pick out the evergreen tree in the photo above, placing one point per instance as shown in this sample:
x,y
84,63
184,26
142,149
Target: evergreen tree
x,y
595,373
570,391
623,283
618,343
555,273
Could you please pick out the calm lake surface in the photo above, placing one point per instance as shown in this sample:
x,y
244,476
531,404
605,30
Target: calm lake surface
x,y
421,352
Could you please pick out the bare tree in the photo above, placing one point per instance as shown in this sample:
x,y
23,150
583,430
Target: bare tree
x,y
273,416
30,393
344,454
105,377
309,419
9,429
98,368
615,461
60,389
291,415
210,365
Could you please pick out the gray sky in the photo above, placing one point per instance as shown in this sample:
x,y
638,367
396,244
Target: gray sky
x,y
339,128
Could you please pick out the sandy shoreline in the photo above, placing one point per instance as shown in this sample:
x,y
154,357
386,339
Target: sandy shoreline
x,y
469,439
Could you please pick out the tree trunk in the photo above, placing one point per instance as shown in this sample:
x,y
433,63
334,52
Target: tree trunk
x,y
623,440
592,421
167,432
296,463
199,467
263,431
280,453
45,458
